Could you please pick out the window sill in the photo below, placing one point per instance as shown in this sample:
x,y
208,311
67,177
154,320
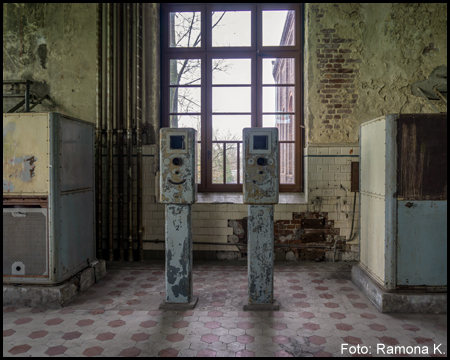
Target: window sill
x,y
236,198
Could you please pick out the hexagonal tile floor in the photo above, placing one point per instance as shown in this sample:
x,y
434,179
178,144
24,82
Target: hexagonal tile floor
x,y
322,313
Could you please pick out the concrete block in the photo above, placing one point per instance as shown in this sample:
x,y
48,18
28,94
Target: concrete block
x,y
54,296
99,267
399,302
87,278
39,296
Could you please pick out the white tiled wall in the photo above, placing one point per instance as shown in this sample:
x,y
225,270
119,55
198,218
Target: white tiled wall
x,y
327,185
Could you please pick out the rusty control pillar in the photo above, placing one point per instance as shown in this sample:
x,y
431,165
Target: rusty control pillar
x,y
261,175
178,190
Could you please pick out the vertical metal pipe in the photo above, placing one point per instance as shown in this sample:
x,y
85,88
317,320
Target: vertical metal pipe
x,y
109,126
104,199
113,114
98,135
27,96
119,56
129,132
139,64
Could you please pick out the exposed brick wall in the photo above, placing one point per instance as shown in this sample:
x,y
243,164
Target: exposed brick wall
x,y
338,65
312,229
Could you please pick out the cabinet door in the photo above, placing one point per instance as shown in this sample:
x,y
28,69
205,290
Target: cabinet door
x,y
422,243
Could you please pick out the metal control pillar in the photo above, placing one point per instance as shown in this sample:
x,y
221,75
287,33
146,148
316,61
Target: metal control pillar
x,y
261,174
178,190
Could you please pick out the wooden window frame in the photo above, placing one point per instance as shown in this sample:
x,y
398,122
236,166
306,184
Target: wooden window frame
x,y
256,52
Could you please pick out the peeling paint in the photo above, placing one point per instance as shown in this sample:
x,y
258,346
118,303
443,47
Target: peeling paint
x,y
361,60
55,45
21,167
178,170
260,167
179,245
260,254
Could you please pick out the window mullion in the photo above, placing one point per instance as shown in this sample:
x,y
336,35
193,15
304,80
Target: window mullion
x,y
206,53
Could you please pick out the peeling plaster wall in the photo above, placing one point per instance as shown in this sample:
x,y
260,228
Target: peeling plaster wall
x,y
54,45
361,60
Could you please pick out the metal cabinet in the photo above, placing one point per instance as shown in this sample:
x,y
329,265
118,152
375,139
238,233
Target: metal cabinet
x,y
403,197
48,197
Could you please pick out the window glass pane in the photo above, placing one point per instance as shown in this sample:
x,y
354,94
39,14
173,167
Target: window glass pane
x,y
287,163
278,71
217,163
231,99
278,27
185,100
185,72
285,124
231,28
186,121
231,163
229,127
231,71
279,99
184,29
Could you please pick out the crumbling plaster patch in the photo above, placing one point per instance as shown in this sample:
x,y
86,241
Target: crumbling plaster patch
x,y
54,45
398,44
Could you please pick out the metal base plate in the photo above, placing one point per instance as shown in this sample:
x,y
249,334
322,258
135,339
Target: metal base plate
x,y
179,306
273,306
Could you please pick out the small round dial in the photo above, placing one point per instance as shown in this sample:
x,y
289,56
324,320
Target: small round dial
x,y
177,161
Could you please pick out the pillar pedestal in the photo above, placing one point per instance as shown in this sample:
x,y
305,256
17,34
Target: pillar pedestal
x,y
179,245
260,256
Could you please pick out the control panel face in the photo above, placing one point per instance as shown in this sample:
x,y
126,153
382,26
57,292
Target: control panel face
x,y
178,167
261,166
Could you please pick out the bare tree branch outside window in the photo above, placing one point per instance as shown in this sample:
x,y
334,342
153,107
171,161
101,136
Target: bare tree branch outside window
x,y
185,31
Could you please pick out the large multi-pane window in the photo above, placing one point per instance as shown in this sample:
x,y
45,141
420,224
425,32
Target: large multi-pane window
x,y
226,67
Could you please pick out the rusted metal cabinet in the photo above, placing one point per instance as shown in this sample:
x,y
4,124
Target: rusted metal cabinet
x,y
403,197
48,197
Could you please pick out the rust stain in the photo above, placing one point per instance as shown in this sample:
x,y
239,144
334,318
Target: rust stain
x,y
422,147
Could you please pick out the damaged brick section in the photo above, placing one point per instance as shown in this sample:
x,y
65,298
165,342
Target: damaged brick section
x,y
338,65
312,229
